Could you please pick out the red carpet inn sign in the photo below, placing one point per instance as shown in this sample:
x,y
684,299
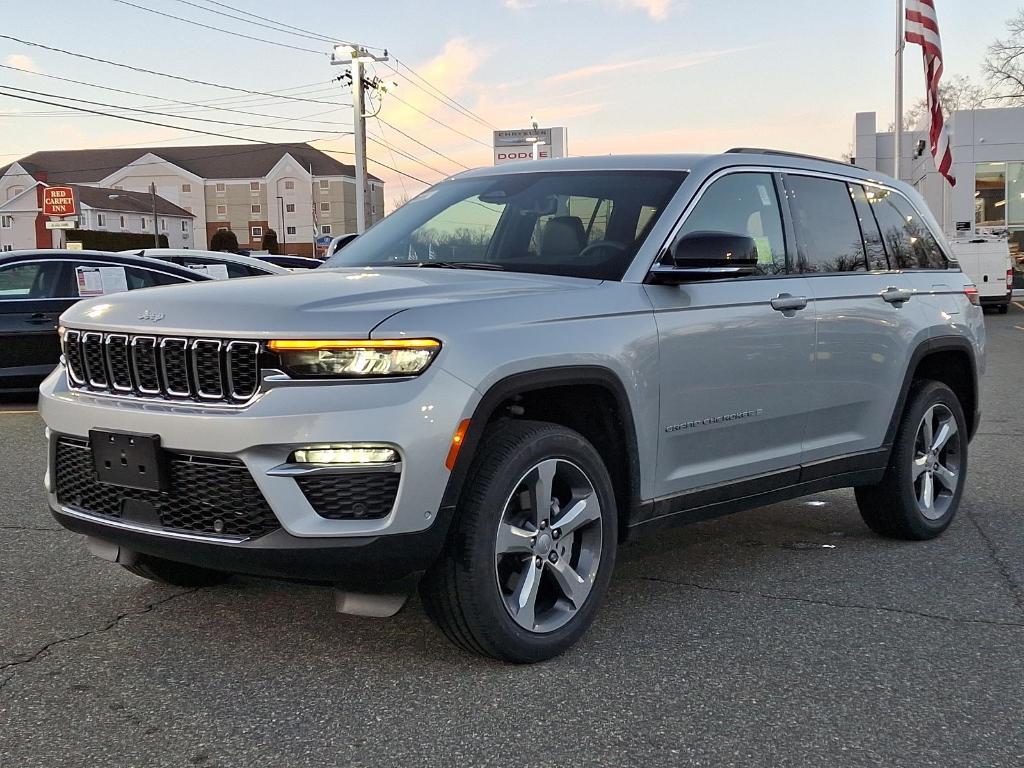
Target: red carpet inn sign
x,y
59,201
515,145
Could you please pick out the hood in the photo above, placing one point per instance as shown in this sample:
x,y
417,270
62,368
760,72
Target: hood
x,y
346,302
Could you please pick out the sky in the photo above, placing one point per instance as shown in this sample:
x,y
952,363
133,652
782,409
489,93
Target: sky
x,y
623,76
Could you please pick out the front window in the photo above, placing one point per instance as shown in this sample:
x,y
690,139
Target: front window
x,y
576,223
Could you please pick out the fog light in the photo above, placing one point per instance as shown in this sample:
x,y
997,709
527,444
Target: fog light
x,y
345,454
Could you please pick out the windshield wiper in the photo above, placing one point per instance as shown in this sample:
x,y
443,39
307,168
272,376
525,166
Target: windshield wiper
x,y
449,265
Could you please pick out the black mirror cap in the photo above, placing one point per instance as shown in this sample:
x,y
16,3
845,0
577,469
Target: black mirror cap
x,y
704,250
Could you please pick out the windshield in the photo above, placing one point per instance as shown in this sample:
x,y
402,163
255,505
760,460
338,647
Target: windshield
x,y
576,223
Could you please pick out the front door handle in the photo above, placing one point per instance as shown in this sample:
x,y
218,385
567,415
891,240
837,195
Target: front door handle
x,y
39,318
895,295
785,302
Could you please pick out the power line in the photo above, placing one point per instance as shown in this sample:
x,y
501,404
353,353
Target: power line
x,y
165,114
278,26
372,160
383,143
219,29
444,98
144,95
428,148
143,70
443,125
401,180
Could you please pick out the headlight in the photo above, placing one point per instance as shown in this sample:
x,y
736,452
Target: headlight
x,y
345,358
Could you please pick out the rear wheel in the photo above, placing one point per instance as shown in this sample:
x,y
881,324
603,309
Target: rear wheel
x,y
176,574
1003,309
532,547
920,492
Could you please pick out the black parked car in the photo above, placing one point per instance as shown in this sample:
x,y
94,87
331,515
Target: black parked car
x,y
289,262
37,286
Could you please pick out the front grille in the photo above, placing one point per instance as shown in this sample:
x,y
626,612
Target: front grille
x,y
362,496
204,494
169,367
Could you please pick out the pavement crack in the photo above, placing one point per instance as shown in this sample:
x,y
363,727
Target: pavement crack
x,y
1016,590
829,604
43,651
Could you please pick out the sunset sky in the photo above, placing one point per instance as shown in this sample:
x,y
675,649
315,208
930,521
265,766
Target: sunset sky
x,y
622,75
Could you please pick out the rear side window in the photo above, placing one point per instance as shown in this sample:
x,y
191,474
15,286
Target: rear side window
x,y
908,241
147,278
827,233
869,228
743,204
33,280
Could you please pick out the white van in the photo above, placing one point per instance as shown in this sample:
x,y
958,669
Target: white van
x,y
987,262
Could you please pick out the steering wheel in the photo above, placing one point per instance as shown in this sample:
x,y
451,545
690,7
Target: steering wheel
x,y
598,244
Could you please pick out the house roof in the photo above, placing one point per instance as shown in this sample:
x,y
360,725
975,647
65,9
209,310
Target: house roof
x,y
123,201
216,161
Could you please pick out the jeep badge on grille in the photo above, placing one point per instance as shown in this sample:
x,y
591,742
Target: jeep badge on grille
x,y
153,317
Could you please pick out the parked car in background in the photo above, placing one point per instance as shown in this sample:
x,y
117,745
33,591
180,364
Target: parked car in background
x,y
987,261
37,286
219,265
291,262
338,243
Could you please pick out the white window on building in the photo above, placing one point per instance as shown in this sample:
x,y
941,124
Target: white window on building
x,y
6,222
13,192
325,229
163,225
257,208
186,187
222,210
124,223
373,209
289,184
101,219
7,247
254,186
289,208
184,225
325,183
257,232
219,187
144,224
325,207
289,230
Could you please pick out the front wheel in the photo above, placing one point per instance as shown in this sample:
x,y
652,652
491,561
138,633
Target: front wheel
x,y
920,492
1003,309
532,547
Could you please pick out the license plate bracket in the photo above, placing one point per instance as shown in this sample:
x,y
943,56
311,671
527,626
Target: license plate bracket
x,y
128,460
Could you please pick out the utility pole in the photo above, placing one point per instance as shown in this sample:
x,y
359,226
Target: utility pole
x,y
898,125
354,56
156,224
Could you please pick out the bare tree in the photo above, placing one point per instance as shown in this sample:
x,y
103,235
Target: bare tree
x,y
1004,63
956,92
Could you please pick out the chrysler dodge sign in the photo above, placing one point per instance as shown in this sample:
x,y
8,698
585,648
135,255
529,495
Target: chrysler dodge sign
x,y
515,145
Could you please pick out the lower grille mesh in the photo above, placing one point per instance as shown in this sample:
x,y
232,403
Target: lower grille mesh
x,y
368,496
204,494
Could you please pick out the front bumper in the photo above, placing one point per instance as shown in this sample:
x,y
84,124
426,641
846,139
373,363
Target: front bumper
x,y
415,416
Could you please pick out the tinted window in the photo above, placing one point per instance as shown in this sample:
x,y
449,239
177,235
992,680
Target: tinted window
x,y
579,223
869,229
909,242
827,233
743,204
35,280
146,278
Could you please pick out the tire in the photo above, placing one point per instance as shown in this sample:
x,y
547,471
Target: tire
x,y
474,591
895,507
175,574
1003,309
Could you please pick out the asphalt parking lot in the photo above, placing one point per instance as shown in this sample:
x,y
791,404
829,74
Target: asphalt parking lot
x,y
786,636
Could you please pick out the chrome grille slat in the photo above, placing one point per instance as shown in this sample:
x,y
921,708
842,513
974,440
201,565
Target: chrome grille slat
x,y
172,368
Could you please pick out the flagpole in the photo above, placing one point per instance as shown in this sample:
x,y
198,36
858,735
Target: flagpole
x,y
898,123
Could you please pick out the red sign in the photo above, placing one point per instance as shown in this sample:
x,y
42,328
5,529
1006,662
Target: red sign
x,y
59,201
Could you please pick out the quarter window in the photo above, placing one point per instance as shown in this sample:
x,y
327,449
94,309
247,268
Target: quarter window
x,y
827,234
743,204
873,245
907,239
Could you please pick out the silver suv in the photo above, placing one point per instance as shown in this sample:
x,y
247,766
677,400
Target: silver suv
x,y
517,371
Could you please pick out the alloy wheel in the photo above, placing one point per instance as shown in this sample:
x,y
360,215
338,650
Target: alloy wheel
x,y
548,545
936,467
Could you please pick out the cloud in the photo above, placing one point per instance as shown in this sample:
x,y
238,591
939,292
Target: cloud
x,y
520,5
656,9
647,65
20,61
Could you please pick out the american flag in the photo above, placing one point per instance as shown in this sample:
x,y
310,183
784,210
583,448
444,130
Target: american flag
x,y
923,28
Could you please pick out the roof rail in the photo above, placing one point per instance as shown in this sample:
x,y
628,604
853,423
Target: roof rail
x,y
759,151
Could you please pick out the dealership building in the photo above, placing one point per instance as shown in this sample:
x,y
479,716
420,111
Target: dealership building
x,y
988,164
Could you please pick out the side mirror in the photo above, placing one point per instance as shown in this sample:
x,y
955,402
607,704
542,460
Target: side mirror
x,y
707,256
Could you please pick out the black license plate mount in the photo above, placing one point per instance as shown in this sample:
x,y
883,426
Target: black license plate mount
x,y
128,460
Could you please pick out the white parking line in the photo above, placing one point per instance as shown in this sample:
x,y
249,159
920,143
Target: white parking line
x,y
4,412
1018,305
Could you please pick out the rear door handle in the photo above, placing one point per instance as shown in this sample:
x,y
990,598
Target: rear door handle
x,y
785,302
895,295
39,318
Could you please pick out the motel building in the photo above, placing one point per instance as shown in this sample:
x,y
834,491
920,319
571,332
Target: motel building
x,y
988,164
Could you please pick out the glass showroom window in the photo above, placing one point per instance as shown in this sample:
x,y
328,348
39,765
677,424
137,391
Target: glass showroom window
x,y
990,195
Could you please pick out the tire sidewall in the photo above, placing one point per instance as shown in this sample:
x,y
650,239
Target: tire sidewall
x,y
477,555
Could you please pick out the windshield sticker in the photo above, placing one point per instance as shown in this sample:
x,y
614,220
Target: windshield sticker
x,y
762,190
216,271
98,281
